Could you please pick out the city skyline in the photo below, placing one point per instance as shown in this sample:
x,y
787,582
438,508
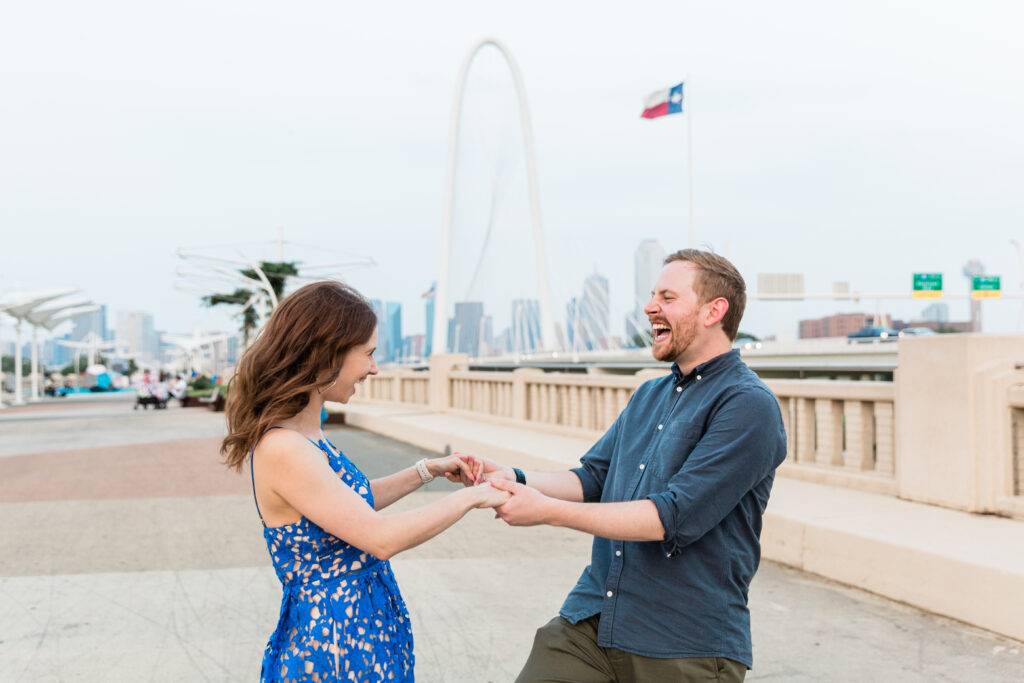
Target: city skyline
x,y
818,147
587,323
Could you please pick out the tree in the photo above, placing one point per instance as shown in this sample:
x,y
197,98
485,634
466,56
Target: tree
x,y
746,336
71,369
7,365
277,273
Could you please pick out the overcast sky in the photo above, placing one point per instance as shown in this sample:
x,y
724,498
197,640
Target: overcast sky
x,y
857,142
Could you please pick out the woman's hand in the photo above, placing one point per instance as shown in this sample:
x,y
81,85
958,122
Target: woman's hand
x,y
457,468
488,496
484,469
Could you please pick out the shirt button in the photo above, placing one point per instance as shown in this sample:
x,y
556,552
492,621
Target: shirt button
x,y
618,553
659,427
609,594
642,465
678,389
698,376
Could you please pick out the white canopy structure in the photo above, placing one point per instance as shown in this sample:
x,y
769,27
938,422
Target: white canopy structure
x,y
50,318
91,345
193,346
18,306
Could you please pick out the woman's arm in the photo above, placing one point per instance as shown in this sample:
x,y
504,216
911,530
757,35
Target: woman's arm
x,y
386,490
296,470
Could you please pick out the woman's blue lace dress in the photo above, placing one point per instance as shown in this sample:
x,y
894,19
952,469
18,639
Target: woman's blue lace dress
x,y
342,616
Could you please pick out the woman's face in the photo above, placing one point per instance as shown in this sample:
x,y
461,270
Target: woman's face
x,y
358,365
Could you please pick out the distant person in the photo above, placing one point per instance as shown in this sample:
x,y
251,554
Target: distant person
x,y
673,493
178,388
342,615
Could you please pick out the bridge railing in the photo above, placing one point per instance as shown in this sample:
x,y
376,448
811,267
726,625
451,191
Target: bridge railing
x,y
839,432
947,430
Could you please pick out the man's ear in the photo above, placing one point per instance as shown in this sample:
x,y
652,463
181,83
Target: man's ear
x,y
717,308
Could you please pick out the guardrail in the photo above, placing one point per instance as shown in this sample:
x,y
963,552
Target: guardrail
x,y
839,432
948,429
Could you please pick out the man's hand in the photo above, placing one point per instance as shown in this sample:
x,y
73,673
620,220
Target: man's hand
x,y
526,507
483,468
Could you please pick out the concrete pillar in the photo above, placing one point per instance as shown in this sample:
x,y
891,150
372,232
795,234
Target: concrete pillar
x,y
947,405
521,393
440,366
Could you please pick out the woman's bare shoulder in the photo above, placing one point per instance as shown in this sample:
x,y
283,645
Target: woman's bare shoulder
x,y
281,446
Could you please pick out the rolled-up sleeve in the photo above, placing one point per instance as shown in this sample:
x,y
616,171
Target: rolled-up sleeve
x,y
739,449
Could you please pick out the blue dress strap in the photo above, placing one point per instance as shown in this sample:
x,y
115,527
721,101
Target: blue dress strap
x,y
252,475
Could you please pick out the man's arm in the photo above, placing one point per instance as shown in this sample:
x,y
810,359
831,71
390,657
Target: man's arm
x,y
635,520
744,443
583,483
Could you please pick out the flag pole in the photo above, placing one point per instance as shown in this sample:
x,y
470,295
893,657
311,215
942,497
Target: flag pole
x,y
689,155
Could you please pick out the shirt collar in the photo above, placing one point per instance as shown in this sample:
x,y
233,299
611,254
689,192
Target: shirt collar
x,y
708,367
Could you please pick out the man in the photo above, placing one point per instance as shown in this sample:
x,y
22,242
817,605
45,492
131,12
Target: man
x,y
674,493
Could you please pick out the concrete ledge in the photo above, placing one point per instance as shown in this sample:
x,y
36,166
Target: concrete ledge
x,y
961,565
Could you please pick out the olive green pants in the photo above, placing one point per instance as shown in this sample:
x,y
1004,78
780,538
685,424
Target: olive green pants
x,y
569,653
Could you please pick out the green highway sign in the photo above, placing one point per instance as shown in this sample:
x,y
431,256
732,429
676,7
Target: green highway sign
x,y
985,287
927,286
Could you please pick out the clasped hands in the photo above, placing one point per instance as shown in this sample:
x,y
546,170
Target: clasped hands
x,y
519,505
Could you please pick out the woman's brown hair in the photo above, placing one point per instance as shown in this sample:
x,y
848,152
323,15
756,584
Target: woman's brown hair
x,y
301,348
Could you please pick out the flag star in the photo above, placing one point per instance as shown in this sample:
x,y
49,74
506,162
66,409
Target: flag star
x,y
677,97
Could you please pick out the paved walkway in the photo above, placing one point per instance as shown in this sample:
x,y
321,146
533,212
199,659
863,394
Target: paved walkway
x,y
130,554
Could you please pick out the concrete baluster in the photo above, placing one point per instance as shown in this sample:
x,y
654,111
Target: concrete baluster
x,y
884,442
860,435
805,430
587,408
786,408
830,432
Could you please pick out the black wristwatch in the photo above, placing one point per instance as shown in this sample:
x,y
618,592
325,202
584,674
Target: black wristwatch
x,y
520,477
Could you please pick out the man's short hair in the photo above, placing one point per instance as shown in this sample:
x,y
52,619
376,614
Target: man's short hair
x,y
716,277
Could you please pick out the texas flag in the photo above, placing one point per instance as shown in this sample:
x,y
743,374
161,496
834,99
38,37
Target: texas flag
x,y
664,102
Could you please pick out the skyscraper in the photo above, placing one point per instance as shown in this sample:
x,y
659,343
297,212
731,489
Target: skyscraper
x,y
525,327
595,310
95,322
393,318
648,261
389,330
464,330
135,332
587,317
382,330
429,344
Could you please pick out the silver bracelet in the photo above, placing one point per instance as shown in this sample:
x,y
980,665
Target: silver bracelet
x,y
425,476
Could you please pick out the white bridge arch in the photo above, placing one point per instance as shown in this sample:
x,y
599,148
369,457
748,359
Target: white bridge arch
x,y
547,329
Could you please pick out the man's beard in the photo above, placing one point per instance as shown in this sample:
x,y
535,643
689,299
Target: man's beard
x,y
681,336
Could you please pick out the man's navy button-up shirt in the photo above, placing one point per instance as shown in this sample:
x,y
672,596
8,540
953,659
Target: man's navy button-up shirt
x,y
703,448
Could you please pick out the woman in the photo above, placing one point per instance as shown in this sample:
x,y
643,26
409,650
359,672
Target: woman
x,y
342,616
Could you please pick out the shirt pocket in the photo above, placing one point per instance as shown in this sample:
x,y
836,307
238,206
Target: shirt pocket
x,y
678,440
